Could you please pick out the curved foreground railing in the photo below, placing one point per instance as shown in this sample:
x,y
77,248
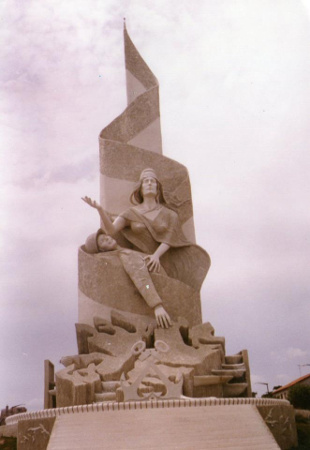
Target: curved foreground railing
x,y
151,404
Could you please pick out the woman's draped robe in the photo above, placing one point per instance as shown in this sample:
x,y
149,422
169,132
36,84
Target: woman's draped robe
x,y
183,261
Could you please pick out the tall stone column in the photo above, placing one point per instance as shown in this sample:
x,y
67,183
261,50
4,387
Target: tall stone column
x,y
129,144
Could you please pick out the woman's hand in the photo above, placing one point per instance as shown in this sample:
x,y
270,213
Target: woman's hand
x,y
152,263
162,317
91,202
109,227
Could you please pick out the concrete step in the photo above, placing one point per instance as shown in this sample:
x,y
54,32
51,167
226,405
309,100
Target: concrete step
x,y
110,386
208,380
233,359
234,389
237,427
105,397
236,373
233,366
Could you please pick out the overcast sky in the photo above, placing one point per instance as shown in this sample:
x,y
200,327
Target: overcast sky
x,y
235,109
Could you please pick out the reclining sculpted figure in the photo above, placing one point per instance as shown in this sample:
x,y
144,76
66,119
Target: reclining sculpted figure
x,y
134,264
158,244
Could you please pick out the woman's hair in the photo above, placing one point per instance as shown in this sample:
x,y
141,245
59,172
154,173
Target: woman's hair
x,y
137,197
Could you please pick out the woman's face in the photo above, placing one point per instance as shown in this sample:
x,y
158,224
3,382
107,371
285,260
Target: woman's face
x,y
149,187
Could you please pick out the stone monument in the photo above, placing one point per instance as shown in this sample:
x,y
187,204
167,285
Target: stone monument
x,y
142,345
140,328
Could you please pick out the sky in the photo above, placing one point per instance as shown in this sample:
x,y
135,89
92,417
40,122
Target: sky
x,y
234,81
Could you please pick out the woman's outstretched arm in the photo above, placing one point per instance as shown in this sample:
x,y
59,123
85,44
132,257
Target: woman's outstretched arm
x,y
110,227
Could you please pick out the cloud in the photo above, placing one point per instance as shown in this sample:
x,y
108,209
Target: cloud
x,y
35,404
288,354
256,379
293,353
283,378
67,173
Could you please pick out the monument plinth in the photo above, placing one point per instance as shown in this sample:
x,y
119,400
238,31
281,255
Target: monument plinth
x,y
144,353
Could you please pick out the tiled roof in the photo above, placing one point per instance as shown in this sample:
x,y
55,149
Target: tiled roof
x,y
292,383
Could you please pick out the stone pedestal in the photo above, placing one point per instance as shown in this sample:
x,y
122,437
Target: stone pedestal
x,y
167,424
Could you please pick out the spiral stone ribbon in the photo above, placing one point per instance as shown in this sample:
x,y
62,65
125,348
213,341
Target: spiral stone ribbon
x,y
133,142
128,145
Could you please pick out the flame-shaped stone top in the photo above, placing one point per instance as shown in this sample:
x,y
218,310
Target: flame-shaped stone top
x,y
132,142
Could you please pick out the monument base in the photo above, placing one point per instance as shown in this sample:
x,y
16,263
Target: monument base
x,y
187,423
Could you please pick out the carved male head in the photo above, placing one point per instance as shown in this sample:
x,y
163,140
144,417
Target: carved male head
x,y
100,242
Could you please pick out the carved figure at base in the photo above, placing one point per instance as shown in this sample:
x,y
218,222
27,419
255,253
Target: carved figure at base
x,y
135,265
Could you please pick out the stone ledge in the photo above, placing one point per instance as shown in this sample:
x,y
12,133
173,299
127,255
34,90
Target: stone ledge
x,y
151,404
9,430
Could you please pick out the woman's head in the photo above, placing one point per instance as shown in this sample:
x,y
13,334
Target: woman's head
x,y
148,185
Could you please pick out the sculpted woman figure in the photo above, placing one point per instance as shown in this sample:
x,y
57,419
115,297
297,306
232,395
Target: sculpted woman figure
x,y
153,230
